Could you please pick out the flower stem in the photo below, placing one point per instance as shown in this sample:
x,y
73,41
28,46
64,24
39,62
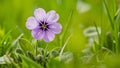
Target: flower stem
x,y
36,47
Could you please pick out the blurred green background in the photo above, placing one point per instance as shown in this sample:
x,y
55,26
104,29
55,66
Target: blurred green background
x,y
75,16
82,14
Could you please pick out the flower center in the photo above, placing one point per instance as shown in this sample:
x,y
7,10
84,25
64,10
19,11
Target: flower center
x,y
44,26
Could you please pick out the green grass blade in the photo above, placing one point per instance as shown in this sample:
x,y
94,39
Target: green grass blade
x,y
108,13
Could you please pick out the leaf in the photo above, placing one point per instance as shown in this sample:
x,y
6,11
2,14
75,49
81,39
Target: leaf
x,y
108,13
14,44
26,45
28,63
5,44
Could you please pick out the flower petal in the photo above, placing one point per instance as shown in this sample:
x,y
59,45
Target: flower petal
x,y
55,27
31,23
49,36
52,16
40,14
37,34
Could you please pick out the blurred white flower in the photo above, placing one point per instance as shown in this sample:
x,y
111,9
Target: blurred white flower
x,y
82,7
92,34
91,31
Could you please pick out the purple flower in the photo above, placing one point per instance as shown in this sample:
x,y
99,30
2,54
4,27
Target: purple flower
x,y
44,25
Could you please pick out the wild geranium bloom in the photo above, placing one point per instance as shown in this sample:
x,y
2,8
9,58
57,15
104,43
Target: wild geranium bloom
x,y
44,25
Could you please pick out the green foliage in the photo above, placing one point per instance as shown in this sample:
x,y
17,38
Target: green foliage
x,y
26,45
5,44
28,63
70,48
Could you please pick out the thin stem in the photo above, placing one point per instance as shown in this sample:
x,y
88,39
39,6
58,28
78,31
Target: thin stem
x,y
61,52
36,47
